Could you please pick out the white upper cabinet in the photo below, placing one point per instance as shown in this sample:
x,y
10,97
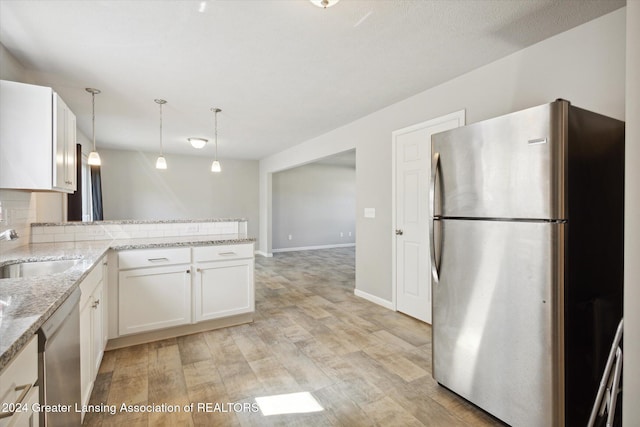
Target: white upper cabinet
x,y
37,139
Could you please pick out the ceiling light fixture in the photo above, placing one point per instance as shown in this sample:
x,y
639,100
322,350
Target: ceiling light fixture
x,y
161,163
94,157
215,166
197,142
324,3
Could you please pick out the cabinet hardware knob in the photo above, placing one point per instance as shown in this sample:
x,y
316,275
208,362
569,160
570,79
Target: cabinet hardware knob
x,y
188,271
399,232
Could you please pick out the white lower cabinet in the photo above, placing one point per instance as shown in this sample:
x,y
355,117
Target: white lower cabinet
x,y
153,298
92,328
168,287
223,282
19,390
223,288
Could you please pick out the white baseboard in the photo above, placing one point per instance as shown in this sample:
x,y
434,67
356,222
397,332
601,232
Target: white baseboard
x,y
310,248
264,254
374,299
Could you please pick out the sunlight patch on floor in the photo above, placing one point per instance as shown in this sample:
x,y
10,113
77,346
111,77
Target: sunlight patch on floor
x,y
292,403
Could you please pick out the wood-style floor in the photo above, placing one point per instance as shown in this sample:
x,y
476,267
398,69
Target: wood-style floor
x,y
364,364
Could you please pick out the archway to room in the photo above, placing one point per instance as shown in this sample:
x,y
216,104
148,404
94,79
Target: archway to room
x,y
313,214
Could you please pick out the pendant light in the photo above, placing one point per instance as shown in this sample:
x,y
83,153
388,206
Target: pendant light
x,y
324,3
94,157
161,163
215,166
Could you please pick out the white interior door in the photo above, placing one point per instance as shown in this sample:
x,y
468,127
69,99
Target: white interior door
x,y
412,164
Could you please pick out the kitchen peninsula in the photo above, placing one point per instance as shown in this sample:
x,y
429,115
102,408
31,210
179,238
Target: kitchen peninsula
x,y
214,252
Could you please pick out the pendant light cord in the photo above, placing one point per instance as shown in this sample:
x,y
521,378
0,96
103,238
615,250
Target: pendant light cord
x,y
160,128
93,118
215,133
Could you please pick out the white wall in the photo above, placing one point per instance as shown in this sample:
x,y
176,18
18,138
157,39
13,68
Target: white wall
x,y
631,383
314,203
134,189
584,65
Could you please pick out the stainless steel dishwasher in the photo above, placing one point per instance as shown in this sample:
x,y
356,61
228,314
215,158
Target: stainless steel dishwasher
x,y
59,365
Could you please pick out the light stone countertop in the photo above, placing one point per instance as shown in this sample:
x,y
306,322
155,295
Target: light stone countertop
x,y
28,302
135,221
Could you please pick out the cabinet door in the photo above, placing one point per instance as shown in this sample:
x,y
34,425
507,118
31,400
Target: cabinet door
x,y
153,298
64,151
103,303
25,136
224,288
97,326
86,377
70,158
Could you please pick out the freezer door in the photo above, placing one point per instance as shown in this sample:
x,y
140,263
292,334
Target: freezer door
x,y
508,167
497,313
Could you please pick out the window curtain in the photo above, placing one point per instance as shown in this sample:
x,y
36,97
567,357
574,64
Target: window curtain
x,y
96,191
74,201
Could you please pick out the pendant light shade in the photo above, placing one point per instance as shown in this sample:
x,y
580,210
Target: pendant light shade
x,y
197,142
215,166
94,157
161,163
324,3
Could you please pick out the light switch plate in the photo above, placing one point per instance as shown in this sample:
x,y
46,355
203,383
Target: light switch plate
x,y
369,212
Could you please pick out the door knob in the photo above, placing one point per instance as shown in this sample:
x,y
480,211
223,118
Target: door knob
x,y
399,232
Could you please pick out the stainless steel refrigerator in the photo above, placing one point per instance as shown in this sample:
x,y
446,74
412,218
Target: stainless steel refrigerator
x,y
527,260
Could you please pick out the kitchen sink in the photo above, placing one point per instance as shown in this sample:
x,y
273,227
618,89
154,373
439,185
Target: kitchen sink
x,y
36,268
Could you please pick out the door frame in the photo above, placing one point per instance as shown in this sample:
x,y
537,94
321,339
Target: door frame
x,y
460,116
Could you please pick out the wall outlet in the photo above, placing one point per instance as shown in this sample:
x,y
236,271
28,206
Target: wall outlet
x,y
349,234
341,234
290,237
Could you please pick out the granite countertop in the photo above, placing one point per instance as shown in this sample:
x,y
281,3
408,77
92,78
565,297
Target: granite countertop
x,y
26,303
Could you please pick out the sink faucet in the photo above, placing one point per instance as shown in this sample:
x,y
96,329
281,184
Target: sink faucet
x,y
9,234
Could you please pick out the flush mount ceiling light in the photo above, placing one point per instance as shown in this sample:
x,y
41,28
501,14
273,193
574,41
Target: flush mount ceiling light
x,y
161,163
94,157
215,166
197,142
324,3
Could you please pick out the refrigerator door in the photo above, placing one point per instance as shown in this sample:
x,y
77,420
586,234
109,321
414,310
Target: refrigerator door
x,y
497,318
507,167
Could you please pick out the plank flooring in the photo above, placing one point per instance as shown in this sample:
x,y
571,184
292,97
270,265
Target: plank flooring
x,y
364,364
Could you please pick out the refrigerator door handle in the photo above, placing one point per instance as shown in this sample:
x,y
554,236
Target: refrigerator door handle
x,y
435,164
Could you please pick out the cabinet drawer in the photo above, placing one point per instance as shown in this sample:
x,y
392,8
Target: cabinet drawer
x,y
140,258
223,252
18,377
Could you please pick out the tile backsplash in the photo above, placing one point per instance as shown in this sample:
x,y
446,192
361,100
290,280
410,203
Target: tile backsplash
x,y
18,212
77,232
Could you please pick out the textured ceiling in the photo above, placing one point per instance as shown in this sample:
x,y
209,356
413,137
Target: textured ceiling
x,y
282,71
